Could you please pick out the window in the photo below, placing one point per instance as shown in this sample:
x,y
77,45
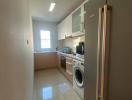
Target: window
x,y
45,39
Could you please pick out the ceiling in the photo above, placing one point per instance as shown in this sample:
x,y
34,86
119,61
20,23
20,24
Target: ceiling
x,y
40,9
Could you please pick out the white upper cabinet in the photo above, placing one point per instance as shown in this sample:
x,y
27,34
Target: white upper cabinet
x,y
72,25
61,32
78,21
68,26
65,28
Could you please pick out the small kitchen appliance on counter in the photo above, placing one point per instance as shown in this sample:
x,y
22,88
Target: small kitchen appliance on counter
x,y
80,48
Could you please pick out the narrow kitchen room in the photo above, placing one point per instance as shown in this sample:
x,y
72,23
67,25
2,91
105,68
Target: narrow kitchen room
x,y
79,49
59,38
65,50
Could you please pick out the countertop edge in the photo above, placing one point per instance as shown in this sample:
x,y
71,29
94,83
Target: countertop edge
x,y
45,52
71,56
67,55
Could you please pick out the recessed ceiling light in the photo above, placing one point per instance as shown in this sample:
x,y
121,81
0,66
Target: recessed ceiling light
x,y
52,6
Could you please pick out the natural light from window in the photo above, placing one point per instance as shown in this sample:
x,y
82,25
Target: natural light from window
x,y
47,93
45,39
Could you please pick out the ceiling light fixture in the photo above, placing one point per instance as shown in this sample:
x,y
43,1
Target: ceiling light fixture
x,y
52,6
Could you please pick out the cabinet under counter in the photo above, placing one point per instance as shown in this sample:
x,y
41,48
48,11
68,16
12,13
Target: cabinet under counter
x,y
45,60
68,72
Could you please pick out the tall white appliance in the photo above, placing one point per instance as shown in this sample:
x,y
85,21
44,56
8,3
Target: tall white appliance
x,y
108,50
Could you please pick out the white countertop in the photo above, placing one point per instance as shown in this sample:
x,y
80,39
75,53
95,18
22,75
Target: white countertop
x,y
72,56
65,54
46,52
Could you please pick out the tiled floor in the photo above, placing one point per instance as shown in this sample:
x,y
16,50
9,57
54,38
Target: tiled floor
x,y
52,85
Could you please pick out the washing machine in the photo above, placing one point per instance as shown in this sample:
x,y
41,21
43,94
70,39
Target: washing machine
x,y
78,77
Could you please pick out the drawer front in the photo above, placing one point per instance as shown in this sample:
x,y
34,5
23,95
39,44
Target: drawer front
x,y
69,68
69,60
69,77
69,71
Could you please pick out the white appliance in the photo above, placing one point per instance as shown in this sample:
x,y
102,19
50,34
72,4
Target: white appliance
x,y
78,77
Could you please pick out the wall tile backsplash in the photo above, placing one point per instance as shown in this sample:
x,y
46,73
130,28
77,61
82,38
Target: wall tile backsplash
x,y
71,42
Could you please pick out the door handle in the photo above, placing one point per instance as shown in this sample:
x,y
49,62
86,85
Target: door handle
x,y
105,52
100,26
103,55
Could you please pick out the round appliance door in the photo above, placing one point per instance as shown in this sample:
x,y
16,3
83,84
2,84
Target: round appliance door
x,y
79,77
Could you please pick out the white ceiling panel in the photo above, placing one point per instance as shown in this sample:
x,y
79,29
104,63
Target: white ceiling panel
x,y
40,9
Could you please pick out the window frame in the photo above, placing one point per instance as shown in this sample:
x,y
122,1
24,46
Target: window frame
x,y
45,39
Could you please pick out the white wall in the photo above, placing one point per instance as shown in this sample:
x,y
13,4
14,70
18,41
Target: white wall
x,y
43,25
16,58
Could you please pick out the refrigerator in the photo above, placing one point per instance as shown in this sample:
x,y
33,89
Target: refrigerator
x,y
108,50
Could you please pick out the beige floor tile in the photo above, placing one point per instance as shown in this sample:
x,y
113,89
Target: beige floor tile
x,y
52,85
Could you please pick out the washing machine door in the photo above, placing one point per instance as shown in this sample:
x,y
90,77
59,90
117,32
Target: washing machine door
x,y
79,79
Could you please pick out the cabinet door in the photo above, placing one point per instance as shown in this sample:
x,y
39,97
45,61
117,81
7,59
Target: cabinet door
x,y
61,32
65,28
59,60
76,21
69,68
82,19
68,26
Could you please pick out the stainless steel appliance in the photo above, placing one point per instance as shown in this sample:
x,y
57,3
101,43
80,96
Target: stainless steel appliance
x,y
108,50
